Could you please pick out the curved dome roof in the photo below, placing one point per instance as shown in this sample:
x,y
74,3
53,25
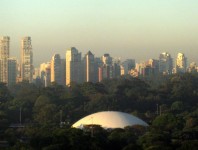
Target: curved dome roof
x,y
110,119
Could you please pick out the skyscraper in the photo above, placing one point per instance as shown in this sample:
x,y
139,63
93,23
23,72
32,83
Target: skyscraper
x,y
56,69
165,63
89,67
12,71
107,71
127,65
4,55
181,63
116,69
193,68
63,71
26,59
45,74
106,59
154,66
73,66
109,68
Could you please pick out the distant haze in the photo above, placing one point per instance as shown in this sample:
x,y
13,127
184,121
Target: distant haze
x,y
139,29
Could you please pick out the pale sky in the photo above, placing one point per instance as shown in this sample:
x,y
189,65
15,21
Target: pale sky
x,y
138,29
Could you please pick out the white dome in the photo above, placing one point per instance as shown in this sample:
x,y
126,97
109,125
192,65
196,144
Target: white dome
x,y
109,119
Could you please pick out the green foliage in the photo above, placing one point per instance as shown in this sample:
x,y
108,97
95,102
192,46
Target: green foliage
x,y
169,106
152,140
4,93
166,122
177,106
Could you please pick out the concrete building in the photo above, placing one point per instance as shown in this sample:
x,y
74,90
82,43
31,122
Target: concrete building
x,y
154,65
45,74
89,65
12,71
97,68
106,69
144,70
73,66
116,69
4,55
106,59
139,68
165,63
181,63
56,69
26,59
193,68
127,65
63,71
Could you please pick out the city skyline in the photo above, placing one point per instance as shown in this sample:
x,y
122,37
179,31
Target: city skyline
x,y
78,69
101,57
128,29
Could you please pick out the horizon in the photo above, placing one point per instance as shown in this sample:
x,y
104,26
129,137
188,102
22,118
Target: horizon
x,y
127,29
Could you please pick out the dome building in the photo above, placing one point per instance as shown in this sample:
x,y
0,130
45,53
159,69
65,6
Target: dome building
x,y
109,119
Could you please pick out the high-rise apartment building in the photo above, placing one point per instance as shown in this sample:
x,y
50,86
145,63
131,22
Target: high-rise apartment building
x,y
4,55
89,67
56,69
116,69
107,59
165,63
181,63
154,65
110,68
98,67
107,71
193,67
73,66
63,71
127,65
12,71
26,59
45,74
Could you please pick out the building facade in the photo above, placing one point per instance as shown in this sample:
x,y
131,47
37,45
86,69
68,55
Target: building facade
x,y
165,63
127,65
26,59
89,63
73,66
12,71
45,74
56,69
181,63
4,55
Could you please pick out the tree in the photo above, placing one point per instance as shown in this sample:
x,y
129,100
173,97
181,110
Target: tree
x,y
4,93
177,106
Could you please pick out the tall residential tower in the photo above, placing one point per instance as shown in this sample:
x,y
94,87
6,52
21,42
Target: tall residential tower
x,y
56,69
73,66
12,71
89,67
26,59
4,55
181,63
165,63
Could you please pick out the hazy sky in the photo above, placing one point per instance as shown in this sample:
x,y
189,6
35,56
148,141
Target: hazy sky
x,y
139,29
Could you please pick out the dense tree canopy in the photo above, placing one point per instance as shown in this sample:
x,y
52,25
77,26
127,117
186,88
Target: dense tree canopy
x,y
47,113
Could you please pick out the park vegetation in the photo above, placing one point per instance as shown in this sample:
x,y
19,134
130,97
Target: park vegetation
x,y
33,117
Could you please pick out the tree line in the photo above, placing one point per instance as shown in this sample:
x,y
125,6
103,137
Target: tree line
x,y
167,103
